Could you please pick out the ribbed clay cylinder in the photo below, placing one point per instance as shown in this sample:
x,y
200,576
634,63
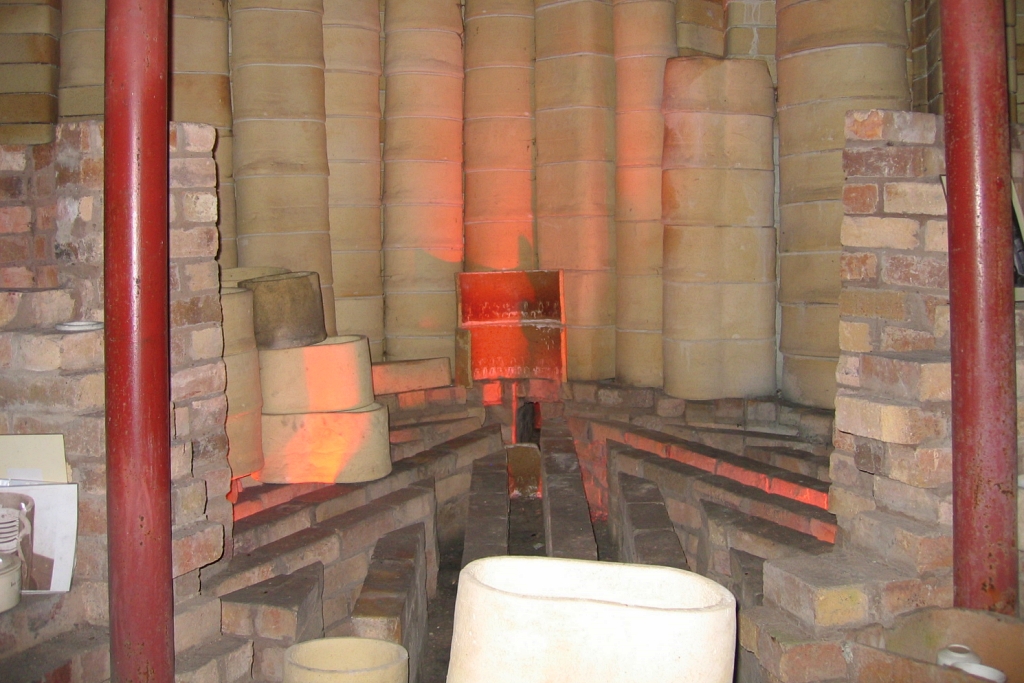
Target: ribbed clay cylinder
x,y
700,27
499,135
644,40
833,56
80,88
750,31
245,399
423,201
28,71
201,92
717,198
280,140
575,110
352,91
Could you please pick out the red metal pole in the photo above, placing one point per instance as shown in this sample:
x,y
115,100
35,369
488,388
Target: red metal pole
x,y
981,305
137,363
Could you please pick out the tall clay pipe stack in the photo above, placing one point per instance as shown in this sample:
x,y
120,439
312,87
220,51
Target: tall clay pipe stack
x,y
499,135
423,202
353,62
645,38
833,56
575,84
280,150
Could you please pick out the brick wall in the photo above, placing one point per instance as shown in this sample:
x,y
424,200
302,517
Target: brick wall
x,y
51,197
891,469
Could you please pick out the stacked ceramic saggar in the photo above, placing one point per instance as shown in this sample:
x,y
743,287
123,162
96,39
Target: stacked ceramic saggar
x,y
575,93
750,31
423,201
833,56
719,275
320,423
353,62
80,89
644,40
28,71
280,138
499,135
245,400
700,27
201,93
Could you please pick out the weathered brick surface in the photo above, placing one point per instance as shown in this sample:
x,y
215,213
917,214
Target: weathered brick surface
x,y
51,223
488,516
392,603
645,531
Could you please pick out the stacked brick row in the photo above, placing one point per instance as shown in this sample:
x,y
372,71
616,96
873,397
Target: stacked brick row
x,y
52,382
27,217
28,71
891,470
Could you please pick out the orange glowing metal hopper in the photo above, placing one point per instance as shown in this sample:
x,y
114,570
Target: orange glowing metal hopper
x,y
511,326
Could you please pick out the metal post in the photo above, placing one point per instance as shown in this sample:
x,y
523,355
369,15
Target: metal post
x,y
137,342
981,305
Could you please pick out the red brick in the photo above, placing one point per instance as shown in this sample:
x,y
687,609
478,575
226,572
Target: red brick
x,y
860,199
891,162
858,266
194,242
915,271
17,277
15,219
903,340
870,303
15,249
196,310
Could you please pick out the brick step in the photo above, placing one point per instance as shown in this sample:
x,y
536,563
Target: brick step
x,y
273,511
222,660
737,440
327,540
412,439
767,478
568,531
400,419
404,376
275,614
849,588
392,603
903,541
792,459
750,472
487,520
643,529
81,655
686,488
737,545
788,651
196,621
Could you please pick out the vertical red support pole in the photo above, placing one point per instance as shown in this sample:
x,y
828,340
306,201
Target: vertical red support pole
x,y
137,343
981,305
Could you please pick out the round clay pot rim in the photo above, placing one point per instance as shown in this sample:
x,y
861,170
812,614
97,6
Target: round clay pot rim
x,y
79,326
403,654
724,599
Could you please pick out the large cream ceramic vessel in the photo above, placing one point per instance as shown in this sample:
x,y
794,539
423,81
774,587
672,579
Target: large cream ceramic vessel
x,y
573,621
346,660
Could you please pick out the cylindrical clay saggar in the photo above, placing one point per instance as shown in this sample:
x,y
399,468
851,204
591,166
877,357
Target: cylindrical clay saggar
x,y
280,144
423,201
717,188
644,40
833,56
499,135
353,63
575,94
